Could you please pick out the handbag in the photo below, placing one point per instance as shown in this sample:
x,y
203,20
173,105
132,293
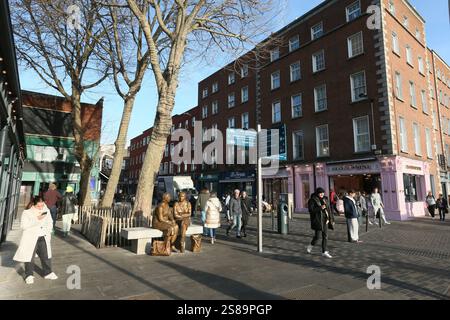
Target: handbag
x,y
161,248
330,225
196,243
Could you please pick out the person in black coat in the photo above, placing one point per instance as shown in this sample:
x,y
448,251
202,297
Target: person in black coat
x,y
442,205
351,214
321,220
246,204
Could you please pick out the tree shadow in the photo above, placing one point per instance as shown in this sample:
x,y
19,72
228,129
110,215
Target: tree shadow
x,y
227,286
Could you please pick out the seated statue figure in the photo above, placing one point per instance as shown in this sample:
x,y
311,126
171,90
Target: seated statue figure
x,y
182,213
165,221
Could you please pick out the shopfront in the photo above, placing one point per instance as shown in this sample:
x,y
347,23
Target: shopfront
x,y
210,181
242,180
303,186
276,184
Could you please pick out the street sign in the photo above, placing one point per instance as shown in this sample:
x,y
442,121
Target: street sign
x,y
269,141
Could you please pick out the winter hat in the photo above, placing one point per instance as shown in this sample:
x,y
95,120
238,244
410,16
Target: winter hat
x,y
69,189
320,190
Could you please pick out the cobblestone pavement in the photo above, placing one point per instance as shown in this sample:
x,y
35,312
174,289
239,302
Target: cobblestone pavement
x,y
414,258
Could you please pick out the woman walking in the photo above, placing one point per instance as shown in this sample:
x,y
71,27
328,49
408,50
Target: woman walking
x,y
321,220
37,225
442,206
213,209
68,210
431,204
246,204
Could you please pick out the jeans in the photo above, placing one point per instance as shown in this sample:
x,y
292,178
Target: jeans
x,y
442,214
67,222
353,229
41,250
432,209
205,230
324,238
212,232
244,224
237,221
54,214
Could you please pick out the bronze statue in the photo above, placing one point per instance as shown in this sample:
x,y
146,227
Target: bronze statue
x,y
164,221
182,212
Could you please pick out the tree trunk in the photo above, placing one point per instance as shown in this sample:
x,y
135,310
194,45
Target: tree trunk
x,y
152,159
118,153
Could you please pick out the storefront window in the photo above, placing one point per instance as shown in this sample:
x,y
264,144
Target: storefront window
x,y
410,186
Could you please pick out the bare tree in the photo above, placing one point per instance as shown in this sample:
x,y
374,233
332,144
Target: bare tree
x,y
188,25
58,46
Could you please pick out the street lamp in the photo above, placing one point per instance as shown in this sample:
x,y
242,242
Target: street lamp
x,y
364,95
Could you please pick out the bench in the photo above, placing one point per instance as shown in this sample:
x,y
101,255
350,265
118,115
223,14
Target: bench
x,y
141,238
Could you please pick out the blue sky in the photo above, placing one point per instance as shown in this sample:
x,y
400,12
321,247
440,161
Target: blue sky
x,y
438,36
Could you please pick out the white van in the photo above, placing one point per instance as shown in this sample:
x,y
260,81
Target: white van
x,y
175,184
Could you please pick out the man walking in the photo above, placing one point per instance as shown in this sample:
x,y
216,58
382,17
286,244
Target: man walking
x,y
236,213
246,211
51,198
378,206
351,214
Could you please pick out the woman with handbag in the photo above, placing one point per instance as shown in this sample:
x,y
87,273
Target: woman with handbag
x,y
69,206
213,209
321,220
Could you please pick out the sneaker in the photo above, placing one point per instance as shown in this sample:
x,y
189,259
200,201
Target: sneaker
x,y
309,249
238,236
370,223
326,254
51,276
212,240
390,223
29,280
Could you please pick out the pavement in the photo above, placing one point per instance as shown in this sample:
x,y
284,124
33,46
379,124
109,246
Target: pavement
x,y
413,257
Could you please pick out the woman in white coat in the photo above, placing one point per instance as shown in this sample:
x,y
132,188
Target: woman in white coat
x,y
213,208
36,225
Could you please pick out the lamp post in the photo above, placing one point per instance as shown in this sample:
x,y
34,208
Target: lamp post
x,y
364,95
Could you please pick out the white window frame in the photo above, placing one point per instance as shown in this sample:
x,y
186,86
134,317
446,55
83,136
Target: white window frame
x,y
409,55
421,65
244,71
392,7
352,86
398,85
314,60
316,98
351,50
274,104
295,148
244,94
274,54
204,112
297,71
423,96
231,100
318,141
395,43
193,121
412,94
294,43
429,143
299,105
356,135
205,93
215,107
273,79
316,34
417,142
403,135
245,121
231,78
215,87
348,14
232,121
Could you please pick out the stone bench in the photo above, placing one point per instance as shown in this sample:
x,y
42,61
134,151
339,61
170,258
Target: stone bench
x,y
141,238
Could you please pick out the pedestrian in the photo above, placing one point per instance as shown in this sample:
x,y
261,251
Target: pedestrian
x,y
442,205
235,213
227,206
246,204
340,204
68,209
321,220
52,197
361,205
378,206
431,204
333,201
200,206
37,225
351,214
213,209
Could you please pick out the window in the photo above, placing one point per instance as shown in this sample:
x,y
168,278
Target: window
x,y
429,144
398,85
395,44
215,87
412,94
297,145
245,123
231,123
423,96
353,11
405,21
294,43
244,71
244,94
172,146
403,136
409,57
275,80
204,135
215,107
214,131
420,63
274,54
171,168
231,100
295,72
320,98
418,34
166,151
231,78
204,112
355,45
358,86
193,122
318,61
392,7
296,106
361,134
417,146
410,187
186,124
322,142
317,31
205,93
276,112
440,97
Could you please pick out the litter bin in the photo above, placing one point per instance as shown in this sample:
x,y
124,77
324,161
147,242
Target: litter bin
x,y
283,214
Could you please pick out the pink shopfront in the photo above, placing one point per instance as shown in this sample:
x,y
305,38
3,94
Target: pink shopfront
x,y
403,183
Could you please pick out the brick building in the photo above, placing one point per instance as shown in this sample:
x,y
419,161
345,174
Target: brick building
x,y
361,107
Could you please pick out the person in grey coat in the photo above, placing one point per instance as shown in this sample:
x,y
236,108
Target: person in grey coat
x,y
235,213
361,205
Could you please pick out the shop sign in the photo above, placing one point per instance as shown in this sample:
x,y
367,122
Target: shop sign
x,y
238,175
413,168
353,168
